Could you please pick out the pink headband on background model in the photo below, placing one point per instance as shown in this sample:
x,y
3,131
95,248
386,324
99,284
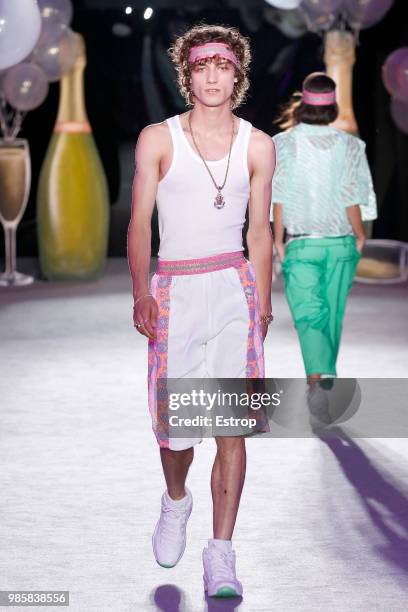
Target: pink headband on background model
x,y
318,99
209,50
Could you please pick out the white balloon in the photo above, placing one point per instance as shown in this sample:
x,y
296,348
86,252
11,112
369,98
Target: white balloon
x,y
20,26
284,4
25,86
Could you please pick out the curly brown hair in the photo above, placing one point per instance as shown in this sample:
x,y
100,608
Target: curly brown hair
x,y
201,34
296,111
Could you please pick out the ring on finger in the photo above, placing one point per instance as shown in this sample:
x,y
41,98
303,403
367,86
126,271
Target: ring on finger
x,y
138,325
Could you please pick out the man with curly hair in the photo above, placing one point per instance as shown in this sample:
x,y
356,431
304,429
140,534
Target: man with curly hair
x,y
207,310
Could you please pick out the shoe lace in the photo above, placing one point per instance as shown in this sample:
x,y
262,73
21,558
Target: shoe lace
x,y
221,564
173,521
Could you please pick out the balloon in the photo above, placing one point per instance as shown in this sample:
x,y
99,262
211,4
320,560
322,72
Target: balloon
x,y
365,13
58,56
395,74
51,32
20,26
2,75
290,23
284,4
55,12
25,86
399,112
317,22
323,7
55,15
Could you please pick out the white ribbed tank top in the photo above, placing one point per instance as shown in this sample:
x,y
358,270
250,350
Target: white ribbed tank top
x,y
189,224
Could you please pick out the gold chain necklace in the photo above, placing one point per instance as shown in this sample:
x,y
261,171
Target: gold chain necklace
x,y
219,201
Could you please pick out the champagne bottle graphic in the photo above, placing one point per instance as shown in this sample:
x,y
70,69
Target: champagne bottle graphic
x,y
72,198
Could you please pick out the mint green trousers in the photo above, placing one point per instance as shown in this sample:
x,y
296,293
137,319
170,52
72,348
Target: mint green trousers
x,y
318,274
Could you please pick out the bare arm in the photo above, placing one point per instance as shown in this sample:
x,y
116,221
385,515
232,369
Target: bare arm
x,y
259,236
278,229
147,160
354,217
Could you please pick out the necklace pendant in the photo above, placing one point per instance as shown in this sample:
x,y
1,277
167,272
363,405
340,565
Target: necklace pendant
x,y
219,201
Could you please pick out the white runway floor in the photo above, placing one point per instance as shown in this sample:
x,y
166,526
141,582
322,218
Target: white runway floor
x,y
323,526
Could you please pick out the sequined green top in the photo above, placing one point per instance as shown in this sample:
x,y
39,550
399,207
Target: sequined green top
x,y
319,172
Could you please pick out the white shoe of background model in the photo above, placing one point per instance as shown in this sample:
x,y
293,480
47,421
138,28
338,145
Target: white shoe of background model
x,y
219,572
169,537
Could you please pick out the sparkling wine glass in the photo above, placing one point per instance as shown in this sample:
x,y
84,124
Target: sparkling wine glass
x,y
15,182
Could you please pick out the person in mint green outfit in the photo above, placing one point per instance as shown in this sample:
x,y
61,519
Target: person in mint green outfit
x,y
322,190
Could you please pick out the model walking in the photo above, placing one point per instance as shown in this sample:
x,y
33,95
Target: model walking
x,y
207,309
322,191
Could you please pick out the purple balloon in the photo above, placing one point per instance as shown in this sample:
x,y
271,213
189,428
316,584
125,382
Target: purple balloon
x,y
2,75
25,86
56,15
399,112
395,74
56,11
323,7
365,13
58,56
51,31
317,22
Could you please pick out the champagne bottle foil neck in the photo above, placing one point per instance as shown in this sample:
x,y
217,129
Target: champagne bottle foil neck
x,y
72,127
72,110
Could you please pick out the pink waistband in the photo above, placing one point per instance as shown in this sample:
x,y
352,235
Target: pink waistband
x,y
200,266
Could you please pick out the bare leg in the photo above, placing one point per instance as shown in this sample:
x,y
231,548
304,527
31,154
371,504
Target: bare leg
x,y
313,378
175,468
227,480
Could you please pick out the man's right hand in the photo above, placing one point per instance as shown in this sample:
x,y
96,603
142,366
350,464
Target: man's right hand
x,y
146,312
360,244
280,249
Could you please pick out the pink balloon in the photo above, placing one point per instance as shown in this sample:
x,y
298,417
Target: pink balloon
x,y
365,13
399,112
395,74
323,7
25,86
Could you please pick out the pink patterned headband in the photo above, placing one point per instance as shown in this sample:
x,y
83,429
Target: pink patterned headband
x,y
318,99
209,50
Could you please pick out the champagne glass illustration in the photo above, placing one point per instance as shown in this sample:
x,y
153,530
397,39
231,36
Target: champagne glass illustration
x,y
15,181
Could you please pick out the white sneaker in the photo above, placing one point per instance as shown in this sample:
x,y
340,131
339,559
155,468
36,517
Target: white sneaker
x,y
169,537
219,572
